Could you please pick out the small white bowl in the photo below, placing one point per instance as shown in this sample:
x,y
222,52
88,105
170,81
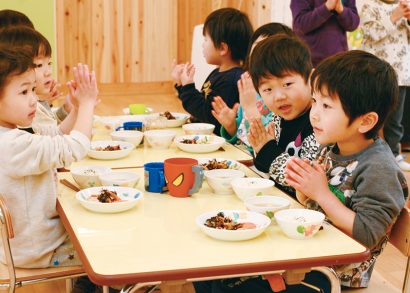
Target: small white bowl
x,y
198,128
299,223
132,136
159,139
261,222
130,197
126,149
220,179
87,176
205,143
124,179
247,187
180,119
267,204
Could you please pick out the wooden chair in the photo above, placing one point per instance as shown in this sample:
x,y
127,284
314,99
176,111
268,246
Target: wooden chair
x,y
11,277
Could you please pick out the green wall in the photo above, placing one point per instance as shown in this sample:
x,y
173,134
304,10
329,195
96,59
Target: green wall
x,y
41,13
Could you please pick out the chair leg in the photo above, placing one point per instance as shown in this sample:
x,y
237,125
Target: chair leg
x,y
406,284
68,285
106,289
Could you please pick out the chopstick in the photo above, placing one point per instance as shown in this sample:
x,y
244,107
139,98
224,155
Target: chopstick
x,y
69,185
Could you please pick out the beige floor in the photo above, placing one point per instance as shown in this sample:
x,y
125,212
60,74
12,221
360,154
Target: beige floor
x,y
391,264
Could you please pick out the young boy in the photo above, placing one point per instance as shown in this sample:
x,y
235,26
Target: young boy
x,y
227,32
280,67
10,18
356,181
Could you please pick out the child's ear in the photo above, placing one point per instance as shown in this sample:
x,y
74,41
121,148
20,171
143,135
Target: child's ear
x,y
223,49
368,121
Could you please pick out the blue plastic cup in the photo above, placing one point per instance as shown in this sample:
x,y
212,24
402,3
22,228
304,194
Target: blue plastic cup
x,y
154,177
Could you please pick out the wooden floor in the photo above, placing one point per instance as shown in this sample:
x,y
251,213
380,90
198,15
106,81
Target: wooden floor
x,y
391,264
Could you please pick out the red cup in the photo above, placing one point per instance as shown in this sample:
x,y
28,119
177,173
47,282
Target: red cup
x,y
183,176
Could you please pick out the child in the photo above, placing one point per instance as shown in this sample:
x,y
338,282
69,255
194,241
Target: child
x,y
280,67
14,18
322,24
28,162
356,181
386,34
227,32
234,121
46,87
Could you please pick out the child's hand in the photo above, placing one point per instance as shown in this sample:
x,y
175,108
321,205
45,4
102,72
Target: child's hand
x,y
247,96
402,10
258,135
331,4
187,75
225,115
83,89
339,7
308,178
177,71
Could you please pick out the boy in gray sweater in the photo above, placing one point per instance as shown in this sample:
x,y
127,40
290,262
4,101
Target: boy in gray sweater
x,y
355,181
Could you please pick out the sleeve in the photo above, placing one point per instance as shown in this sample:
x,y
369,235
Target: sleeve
x,y
26,154
376,26
195,103
307,18
349,19
376,202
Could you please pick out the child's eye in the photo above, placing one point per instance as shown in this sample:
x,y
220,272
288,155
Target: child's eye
x,y
267,90
313,100
38,65
24,92
50,63
287,84
33,89
326,106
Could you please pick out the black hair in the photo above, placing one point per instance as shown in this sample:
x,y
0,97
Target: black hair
x,y
10,18
21,36
363,82
278,55
267,30
12,63
232,27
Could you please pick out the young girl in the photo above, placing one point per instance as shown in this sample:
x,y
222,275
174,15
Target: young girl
x,y
28,179
235,125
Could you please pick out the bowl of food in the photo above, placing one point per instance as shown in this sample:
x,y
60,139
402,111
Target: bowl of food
x,y
220,179
110,150
198,128
125,179
173,119
159,139
109,199
218,163
232,225
132,136
199,143
267,204
88,176
299,223
251,186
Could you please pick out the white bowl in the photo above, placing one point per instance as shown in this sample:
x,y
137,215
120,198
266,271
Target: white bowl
x,y
87,176
224,163
132,136
126,149
267,204
159,139
220,179
130,196
181,118
198,128
125,179
299,223
205,143
261,222
247,187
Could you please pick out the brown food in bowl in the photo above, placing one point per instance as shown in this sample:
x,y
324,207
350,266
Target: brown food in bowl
x,y
106,196
215,164
109,148
168,115
221,222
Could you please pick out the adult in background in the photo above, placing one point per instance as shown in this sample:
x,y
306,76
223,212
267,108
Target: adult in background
x,y
323,25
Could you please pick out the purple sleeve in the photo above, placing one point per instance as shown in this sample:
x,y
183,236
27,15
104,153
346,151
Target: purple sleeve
x,y
307,18
349,19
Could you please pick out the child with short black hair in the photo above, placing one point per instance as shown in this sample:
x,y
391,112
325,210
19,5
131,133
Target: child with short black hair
x,y
28,180
280,67
234,121
226,39
355,180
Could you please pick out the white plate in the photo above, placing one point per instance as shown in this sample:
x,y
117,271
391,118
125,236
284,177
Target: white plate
x,y
206,143
232,164
261,222
181,118
126,149
130,196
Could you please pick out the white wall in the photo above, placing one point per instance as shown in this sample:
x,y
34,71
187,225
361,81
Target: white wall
x,y
280,12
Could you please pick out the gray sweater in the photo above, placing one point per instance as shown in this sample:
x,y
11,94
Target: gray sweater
x,y
371,184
